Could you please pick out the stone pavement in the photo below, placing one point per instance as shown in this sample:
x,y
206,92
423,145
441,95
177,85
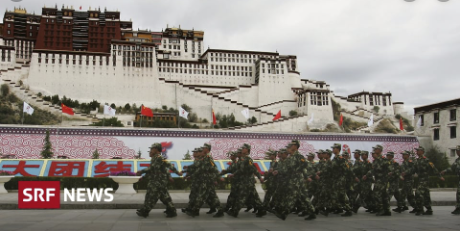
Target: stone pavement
x,y
127,220
445,197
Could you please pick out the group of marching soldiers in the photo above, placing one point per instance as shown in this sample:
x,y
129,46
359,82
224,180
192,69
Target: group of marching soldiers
x,y
295,184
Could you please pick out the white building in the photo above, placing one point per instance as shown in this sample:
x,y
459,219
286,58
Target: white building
x,y
439,122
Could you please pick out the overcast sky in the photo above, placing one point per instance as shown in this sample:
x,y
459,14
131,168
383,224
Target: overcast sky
x,y
411,49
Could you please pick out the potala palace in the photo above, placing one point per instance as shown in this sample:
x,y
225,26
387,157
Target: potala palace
x,y
93,54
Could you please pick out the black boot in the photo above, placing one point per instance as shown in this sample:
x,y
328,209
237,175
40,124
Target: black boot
x,y
355,209
405,208
219,213
338,211
347,214
413,210
304,213
211,211
398,209
171,213
281,215
142,213
456,211
193,213
311,217
429,211
261,213
419,212
249,208
324,212
384,213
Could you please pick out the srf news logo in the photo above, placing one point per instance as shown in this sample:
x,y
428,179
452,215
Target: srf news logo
x,y
46,195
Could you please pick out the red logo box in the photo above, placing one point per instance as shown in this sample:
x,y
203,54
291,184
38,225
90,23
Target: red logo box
x,y
39,195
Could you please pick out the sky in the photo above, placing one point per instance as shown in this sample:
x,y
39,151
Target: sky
x,y
407,47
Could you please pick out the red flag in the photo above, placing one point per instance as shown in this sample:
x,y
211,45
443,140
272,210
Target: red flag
x,y
66,109
213,118
277,116
341,120
146,111
80,7
401,124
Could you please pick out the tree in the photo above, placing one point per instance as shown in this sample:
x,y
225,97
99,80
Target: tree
x,y
127,107
47,152
55,99
139,154
135,108
5,89
113,106
376,109
187,156
292,113
95,154
164,107
112,122
252,120
438,158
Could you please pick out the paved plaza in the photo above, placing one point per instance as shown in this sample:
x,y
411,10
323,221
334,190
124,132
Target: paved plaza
x,y
127,220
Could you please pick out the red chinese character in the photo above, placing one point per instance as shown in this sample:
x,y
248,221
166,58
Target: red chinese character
x,y
103,169
20,168
65,168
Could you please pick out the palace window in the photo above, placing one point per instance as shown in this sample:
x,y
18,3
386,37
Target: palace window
x,y
436,134
436,117
453,115
453,132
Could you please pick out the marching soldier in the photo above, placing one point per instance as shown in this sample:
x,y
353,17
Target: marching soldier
x,y
230,169
357,167
380,170
395,171
455,168
407,191
312,186
212,197
422,193
157,186
325,178
270,179
318,167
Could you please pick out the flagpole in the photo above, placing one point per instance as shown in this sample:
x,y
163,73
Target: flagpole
x,y
175,95
140,124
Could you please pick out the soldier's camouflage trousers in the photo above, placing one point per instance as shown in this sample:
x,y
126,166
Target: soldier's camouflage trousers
x,y
323,198
157,191
232,196
380,194
312,187
458,194
407,192
206,192
244,190
253,198
365,195
422,194
304,204
393,190
271,187
339,199
353,194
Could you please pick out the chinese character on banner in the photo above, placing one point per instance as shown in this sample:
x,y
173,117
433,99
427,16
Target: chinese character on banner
x,y
21,168
103,169
65,168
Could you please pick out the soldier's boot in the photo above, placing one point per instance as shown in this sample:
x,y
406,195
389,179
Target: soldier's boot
x,y
355,209
219,213
171,213
311,217
324,212
226,209
249,208
304,213
193,212
405,208
456,211
420,211
255,210
261,213
429,211
338,211
184,210
142,213
281,215
211,211
414,210
234,213
398,209
347,214
384,213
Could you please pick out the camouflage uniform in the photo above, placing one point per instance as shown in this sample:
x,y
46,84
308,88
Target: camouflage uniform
x,y
270,184
157,174
312,186
423,168
393,188
323,203
365,195
407,190
231,197
355,194
340,172
455,168
380,170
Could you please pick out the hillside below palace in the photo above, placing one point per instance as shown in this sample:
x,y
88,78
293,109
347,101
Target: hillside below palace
x,y
93,54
